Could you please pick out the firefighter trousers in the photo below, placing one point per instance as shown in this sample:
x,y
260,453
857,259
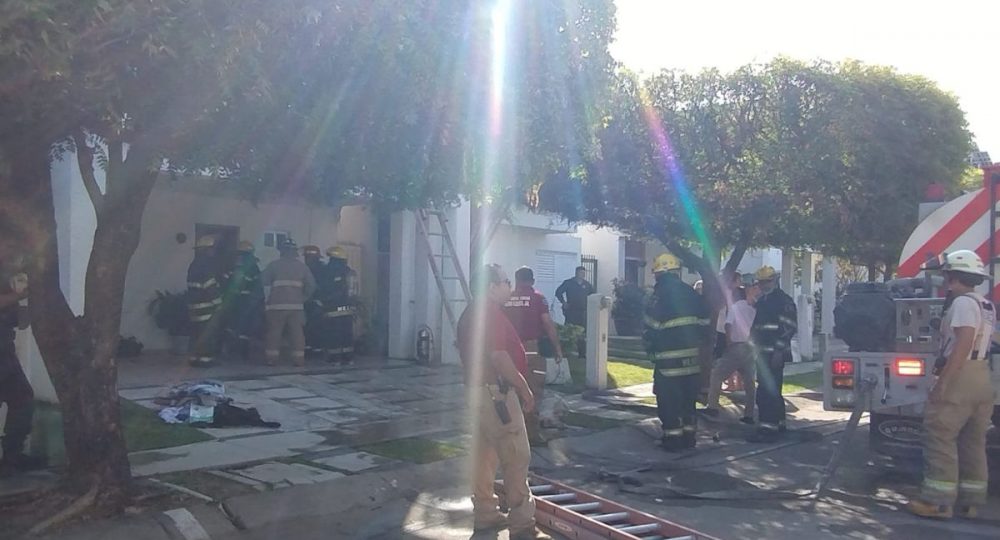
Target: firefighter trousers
x,y
770,402
16,393
278,322
337,332
675,406
494,445
737,358
955,466
205,337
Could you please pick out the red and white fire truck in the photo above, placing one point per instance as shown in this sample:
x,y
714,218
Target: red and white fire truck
x,y
896,366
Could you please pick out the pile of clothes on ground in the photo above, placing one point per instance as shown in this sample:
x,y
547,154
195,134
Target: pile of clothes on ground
x,y
205,404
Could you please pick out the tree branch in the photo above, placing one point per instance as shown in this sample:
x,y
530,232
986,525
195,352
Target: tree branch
x,y
739,250
85,160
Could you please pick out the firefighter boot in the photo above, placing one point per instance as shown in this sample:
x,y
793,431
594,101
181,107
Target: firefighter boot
x,y
928,510
966,511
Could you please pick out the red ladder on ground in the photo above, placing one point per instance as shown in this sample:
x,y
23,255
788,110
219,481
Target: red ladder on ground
x,y
580,515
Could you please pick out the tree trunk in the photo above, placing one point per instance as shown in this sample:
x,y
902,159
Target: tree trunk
x,y
79,352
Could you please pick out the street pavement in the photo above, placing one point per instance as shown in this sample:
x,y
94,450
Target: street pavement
x,y
310,480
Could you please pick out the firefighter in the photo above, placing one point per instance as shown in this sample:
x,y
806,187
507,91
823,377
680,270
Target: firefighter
x,y
676,328
246,296
314,306
204,298
290,283
957,415
771,335
338,311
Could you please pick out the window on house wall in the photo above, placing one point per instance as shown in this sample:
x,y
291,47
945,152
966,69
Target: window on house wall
x,y
590,263
273,239
634,271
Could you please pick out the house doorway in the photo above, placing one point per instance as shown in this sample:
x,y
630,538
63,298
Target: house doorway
x,y
227,240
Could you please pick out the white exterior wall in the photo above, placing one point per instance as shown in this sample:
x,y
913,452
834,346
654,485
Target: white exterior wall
x,y
553,257
756,258
608,246
160,263
414,298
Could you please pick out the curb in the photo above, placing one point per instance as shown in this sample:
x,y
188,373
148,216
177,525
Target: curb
x,y
227,519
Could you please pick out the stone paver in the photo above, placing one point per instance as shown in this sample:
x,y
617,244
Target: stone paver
x,y
275,473
145,393
354,462
286,393
255,384
316,403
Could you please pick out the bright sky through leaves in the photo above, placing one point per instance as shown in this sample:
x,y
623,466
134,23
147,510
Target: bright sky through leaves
x,y
953,43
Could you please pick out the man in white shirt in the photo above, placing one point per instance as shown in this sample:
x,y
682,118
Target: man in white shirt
x,y
738,357
958,410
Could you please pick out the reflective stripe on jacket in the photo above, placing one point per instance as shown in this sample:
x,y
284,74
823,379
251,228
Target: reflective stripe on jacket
x,y
776,322
676,325
204,295
291,283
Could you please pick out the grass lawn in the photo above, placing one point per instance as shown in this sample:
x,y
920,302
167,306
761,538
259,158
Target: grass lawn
x,y
621,373
590,421
144,430
800,383
416,450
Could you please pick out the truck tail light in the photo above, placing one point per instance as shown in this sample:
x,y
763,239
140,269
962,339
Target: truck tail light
x,y
842,366
909,367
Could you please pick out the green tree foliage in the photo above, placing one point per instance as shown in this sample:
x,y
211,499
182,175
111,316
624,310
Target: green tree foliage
x,y
829,156
392,103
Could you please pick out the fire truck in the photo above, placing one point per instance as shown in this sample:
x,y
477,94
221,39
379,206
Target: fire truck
x,y
892,329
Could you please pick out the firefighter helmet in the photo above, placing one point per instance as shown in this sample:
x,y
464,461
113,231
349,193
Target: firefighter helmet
x,y
964,261
288,245
665,262
245,246
310,251
336,252
765,273
205,242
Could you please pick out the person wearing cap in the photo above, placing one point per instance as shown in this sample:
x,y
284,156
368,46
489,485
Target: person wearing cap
x,y
245,295
204,299
528,311
289,283
675,328
314,305
338,307
494,359
958,410
774,325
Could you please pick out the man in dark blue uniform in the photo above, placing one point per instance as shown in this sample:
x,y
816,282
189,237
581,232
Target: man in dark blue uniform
x,y
245,301
771,334
15,391
338,307
675,330
204,298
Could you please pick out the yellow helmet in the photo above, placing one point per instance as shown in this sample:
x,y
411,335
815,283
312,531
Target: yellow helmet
x,y
245,246
336,252
765,273
310,251
205,242
665,262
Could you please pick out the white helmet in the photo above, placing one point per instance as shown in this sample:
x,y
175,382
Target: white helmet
x,y
965,261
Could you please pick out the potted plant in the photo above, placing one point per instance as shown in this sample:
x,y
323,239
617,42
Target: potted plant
x,y
170,312
628,307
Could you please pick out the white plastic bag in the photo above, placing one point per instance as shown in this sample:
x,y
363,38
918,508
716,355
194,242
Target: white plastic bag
x,y
550,412
557,372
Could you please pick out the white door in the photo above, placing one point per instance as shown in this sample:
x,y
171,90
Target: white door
x,y
551,269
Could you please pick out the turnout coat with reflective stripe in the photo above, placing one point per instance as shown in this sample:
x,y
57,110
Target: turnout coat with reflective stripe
x,y
775,323
675,327
204,292
291,283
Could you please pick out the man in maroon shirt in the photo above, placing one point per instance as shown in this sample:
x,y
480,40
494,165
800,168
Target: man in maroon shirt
x,y
528,311
494,359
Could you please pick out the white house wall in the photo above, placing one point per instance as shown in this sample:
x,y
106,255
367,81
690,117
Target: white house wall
x,y
515,246
608,246
160,262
